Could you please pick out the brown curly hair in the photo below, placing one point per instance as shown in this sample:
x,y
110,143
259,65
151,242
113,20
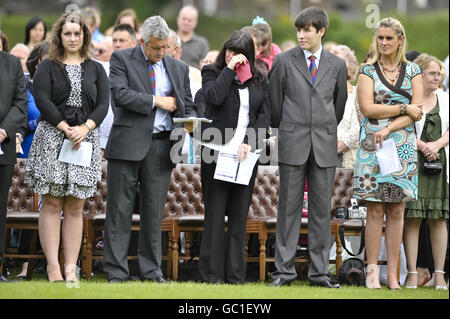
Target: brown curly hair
x,y
57,52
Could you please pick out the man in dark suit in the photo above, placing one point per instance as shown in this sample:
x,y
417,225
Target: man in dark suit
x,y
13,114
148,89
308,91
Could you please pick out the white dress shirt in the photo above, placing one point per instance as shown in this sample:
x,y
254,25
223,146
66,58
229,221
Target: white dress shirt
x,y
317,55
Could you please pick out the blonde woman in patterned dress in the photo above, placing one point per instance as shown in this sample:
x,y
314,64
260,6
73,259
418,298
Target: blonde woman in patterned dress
x,y
72,94
389,94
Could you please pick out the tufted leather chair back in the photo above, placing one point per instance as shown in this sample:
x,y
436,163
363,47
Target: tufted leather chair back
x,y
343,188
20,197
184,196
265,193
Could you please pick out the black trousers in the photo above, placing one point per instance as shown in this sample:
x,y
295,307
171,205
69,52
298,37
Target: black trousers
x,y
222,255
6,173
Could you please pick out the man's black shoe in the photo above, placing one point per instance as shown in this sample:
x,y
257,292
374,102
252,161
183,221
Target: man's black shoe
x,y
159,280
4,279
323,283
115,281
279,282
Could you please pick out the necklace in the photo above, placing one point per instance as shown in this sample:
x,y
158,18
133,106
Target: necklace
x,y
386,72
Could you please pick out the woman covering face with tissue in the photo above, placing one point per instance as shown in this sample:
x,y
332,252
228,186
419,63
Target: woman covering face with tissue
x,y
237,102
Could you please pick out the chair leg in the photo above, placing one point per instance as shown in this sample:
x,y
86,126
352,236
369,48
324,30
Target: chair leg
x,y
176,237
169,256
262,253
338,250
188,237
33,244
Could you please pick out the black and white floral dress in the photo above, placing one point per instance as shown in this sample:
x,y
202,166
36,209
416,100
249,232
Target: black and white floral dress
x,y
47,175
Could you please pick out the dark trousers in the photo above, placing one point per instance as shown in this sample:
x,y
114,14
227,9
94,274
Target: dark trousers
x,y
153,175
222,255
6,173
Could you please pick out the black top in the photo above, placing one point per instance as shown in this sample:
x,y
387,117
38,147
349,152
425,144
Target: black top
x,y
222,102
51,87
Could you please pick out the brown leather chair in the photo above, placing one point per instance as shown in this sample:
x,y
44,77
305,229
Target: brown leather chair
x,y
22,213
342,193
94,214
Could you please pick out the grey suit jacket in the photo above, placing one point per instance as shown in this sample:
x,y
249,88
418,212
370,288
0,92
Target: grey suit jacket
x,y
131,93
307,114
13,104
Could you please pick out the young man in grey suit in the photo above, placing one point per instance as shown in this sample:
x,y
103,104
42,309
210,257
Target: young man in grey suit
x,y
308,91
13,114
148,89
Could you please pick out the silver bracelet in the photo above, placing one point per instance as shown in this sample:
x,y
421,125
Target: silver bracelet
x,y
89,127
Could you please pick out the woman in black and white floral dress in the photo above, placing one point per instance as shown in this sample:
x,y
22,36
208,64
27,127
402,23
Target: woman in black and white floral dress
x,y
72,94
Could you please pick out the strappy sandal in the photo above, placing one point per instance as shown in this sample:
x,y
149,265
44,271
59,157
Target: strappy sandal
x,y
439,287
372,277
407,286
70,272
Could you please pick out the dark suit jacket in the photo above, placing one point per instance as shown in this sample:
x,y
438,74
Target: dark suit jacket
x,y
13,104
221,97
307,114
132,95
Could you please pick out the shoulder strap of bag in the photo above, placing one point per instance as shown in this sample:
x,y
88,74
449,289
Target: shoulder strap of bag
x,y
362,243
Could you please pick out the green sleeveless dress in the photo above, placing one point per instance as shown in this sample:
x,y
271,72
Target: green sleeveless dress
x,y
433,197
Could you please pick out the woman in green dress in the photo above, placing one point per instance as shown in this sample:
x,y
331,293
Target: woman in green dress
x,y
432,203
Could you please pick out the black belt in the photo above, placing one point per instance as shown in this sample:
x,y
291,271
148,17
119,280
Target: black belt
x,y
161,135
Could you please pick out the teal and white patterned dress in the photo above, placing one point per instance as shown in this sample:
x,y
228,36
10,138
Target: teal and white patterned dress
x,y
368,183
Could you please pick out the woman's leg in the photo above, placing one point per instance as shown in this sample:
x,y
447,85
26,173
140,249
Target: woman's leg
x,y
374,227
411,242
49,233
393,235
72,233
439,237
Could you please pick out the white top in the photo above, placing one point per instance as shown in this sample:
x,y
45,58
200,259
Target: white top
x,y
243,121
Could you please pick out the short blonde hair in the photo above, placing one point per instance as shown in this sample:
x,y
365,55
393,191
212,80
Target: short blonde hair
x,y
398,28
349,57
424,60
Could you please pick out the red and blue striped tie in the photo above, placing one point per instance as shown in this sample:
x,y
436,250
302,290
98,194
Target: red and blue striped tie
x,y
152,76
313,67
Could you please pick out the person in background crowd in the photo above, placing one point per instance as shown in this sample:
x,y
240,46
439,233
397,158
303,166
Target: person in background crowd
x,y
267,50
4,45
432,204
287,45
194,47
35,32
388,87
307,132
348,128
21,51
147,88
445,81
124,37
96,35
72,94
127,16
241,106
329,45
199,101
104,49
25,134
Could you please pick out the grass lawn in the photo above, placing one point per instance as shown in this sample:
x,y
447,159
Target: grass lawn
x,y
99,288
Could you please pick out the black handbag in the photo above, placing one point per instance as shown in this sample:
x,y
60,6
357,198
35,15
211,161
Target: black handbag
x,y
432,168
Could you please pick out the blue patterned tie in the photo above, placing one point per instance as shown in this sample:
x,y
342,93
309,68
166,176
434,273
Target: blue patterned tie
x,y
152,76
313,67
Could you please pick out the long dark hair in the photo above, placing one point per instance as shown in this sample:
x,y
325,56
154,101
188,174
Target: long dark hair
x,y
239,42
30,25
57,51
